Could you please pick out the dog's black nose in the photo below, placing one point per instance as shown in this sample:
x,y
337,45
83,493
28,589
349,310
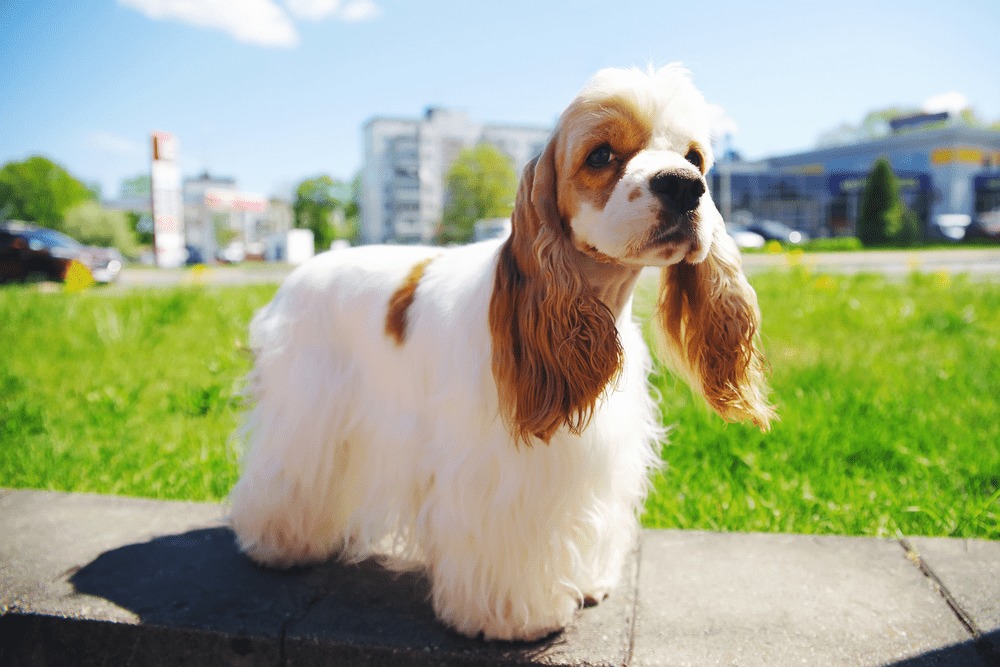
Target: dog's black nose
x,y
678,189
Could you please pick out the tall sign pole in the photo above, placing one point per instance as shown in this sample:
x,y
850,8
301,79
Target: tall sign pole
x,y
167,205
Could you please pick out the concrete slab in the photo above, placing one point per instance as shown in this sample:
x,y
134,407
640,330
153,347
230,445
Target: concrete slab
x,y
105,580
87,576
45,537
359,615
755,599
969,571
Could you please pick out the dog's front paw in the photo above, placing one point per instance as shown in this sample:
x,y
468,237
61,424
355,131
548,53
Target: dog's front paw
x,y
276,544
511,623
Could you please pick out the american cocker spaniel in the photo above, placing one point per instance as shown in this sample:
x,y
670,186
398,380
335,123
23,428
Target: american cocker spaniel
x,y
483,411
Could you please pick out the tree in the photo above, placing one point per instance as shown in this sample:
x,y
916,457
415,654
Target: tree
x,y
883,218
91,223
141,225
481,184
328,207
40,191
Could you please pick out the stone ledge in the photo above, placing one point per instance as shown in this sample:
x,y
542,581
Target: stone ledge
x,y
88,579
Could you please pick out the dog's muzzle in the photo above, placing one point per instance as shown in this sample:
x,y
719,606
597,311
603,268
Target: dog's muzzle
x,y
680,192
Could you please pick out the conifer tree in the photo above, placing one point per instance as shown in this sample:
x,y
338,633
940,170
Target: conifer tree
x,y
883,218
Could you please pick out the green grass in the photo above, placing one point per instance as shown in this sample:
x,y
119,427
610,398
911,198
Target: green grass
x,y
129,393
888,398
887,393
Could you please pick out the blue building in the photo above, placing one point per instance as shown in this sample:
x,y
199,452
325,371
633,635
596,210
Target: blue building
x,y
949,174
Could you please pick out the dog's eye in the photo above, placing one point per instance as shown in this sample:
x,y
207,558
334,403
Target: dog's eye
x,y
600,157
694,157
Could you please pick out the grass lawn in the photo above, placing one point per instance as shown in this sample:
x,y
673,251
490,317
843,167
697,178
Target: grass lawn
x,y
888,395
888,398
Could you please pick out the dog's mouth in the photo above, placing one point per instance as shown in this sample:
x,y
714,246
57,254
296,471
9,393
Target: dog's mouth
x,y
673,231
675,234
665,244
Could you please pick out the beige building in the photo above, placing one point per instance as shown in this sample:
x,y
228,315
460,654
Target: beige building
x,y
406,161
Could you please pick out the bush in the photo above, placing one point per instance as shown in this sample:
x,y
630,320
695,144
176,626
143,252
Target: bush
x,y
93,224
835,244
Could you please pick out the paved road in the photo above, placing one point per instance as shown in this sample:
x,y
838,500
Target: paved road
x,y
983,263
250,274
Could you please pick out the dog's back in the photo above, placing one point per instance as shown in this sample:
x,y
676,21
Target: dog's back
x,y
359,354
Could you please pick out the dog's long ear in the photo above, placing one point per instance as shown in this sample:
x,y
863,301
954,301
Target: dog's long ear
x,y
706,327
555,344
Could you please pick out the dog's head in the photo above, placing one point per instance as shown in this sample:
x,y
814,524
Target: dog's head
x,y
620,186
631,153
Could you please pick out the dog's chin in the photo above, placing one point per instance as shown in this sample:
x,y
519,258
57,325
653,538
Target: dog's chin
x,y
667,245
669,255
697,253
660,255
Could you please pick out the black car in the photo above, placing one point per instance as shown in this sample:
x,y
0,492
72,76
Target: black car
x,y
28,252
772,230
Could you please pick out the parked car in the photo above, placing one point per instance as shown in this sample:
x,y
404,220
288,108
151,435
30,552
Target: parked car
x,y
745,238
773,230
28,252
233,253
194,255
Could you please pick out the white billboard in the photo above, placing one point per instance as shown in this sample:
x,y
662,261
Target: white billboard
x,y
168,206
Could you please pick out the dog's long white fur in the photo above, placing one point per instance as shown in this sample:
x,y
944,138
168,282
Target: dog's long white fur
x,y
415,403
361,447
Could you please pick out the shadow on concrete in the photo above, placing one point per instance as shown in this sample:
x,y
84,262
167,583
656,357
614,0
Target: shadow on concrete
x,y
983,651
199,581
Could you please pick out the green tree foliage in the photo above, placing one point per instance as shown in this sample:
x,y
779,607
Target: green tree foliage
x,y
141,225
91,223
40,191
140,186
876,124
482,183
329,208
883,218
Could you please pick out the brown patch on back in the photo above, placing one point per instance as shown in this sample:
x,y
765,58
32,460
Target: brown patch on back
x,y
401,300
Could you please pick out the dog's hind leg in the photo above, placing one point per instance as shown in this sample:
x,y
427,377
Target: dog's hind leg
x,y
288,506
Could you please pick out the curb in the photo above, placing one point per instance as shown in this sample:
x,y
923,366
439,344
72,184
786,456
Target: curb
x,y
88,579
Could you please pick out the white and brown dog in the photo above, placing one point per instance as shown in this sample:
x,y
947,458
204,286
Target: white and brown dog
x,y
483,411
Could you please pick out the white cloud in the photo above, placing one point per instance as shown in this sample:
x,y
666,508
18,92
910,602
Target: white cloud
x,y
313,10
952,102
356,11
106,142
721,123
350,11
260,22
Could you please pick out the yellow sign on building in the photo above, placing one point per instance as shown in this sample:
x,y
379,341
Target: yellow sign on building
x,y
956,154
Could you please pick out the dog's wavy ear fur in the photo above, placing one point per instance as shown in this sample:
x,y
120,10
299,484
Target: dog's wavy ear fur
x,y
706,328
555,344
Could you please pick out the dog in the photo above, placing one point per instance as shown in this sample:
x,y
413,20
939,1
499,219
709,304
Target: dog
x,y
483,412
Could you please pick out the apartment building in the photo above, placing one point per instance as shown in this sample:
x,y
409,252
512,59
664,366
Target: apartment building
x,y
406,162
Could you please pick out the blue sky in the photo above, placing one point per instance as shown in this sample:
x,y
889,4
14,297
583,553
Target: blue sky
x,y
273,91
